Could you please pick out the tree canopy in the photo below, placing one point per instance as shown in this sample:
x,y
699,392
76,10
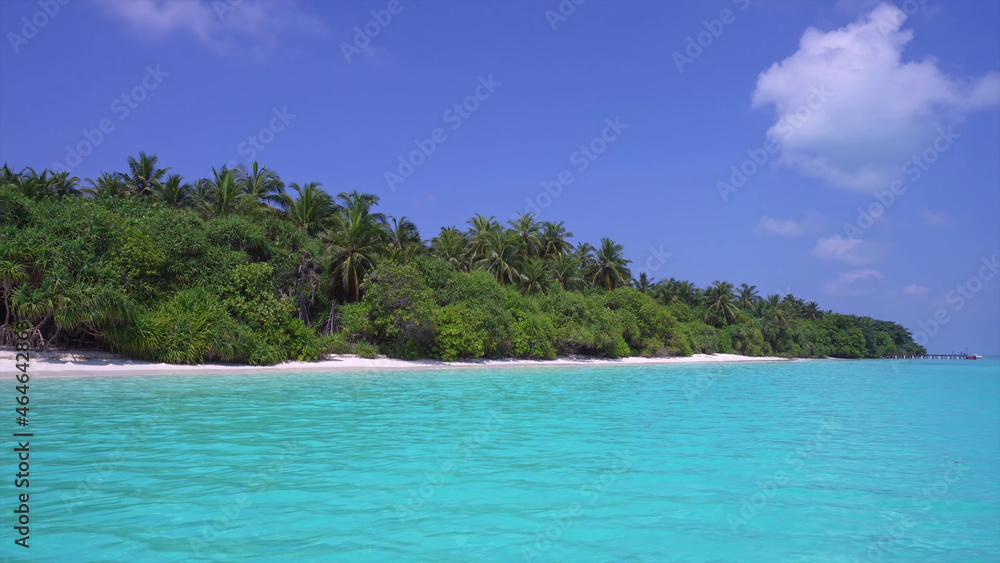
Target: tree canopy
x,y
239,267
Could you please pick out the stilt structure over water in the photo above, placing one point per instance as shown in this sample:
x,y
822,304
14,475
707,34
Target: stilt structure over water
x,y
931,356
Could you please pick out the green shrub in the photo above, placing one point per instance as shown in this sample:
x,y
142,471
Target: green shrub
x,y
400,311
366,350
338,344
460,333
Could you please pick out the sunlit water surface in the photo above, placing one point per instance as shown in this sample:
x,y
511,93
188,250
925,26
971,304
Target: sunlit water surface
x,y
793,461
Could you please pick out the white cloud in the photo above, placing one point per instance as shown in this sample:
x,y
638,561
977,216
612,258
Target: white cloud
x,y
852,251
879,110
849,278
934,219
835,247
914,289
235,28
787,227
780,227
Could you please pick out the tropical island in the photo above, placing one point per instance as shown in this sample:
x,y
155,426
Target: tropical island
x,y
240,267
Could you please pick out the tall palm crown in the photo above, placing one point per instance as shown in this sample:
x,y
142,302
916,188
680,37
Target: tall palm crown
x,y
144,174
501,256
811,311
529,234
584,253
64,185
610,268
311,209
566,271
34,185
261,184
355,241
673,289
361,202
554,235
481,228
174,192
720,303
452,246
748,296
643,283
535,277
402,233
108,184
223,196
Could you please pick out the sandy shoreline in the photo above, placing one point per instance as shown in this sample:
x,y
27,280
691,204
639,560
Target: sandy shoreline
x,y
96,364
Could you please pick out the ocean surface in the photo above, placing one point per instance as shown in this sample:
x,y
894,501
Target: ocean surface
x,y
773,462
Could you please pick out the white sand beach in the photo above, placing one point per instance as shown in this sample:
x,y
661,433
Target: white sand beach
x,y
56,364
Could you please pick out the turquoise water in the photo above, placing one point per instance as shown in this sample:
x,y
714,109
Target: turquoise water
x,y
805,461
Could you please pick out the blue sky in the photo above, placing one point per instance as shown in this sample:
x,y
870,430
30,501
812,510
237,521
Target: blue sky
x,y
641,118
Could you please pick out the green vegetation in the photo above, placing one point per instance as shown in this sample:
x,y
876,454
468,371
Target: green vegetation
x,y
238,268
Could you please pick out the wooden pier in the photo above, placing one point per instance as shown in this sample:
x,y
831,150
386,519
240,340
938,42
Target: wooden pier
x,y
929,357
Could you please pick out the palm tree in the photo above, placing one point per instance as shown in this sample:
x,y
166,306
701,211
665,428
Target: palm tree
x,y
404,240
403,232
610,268
479,234
529,233
64,185
172,192
452,246
113,184
144,174
811,311
554,241
748,296
501,257
585,255
224,196
720,303
793,303
775,311
312,208
306,281
7,174
34,185
355,241
643,283
779,316
363,202
261,184
566,272
535,277
772,301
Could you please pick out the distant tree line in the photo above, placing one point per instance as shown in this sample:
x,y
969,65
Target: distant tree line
x,y
241,267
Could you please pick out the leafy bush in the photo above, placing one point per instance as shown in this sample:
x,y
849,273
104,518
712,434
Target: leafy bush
x,y
400,311
460,332
366,350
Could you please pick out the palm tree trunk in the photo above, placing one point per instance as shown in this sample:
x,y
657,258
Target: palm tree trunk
x,y
6,329
303,309
332,323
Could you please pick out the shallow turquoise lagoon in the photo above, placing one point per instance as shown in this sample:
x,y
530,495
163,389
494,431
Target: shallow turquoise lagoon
x,y
792,461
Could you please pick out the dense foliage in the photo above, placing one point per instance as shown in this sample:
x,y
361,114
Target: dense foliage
x,y
240,268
